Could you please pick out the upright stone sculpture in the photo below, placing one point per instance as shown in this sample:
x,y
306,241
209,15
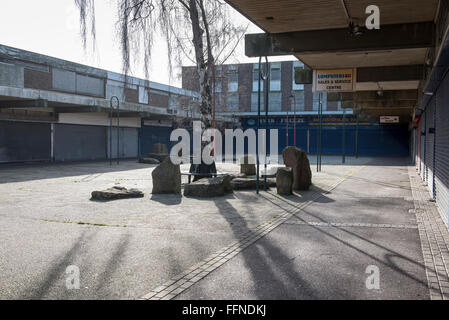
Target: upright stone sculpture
x,y
248,166
159,148
166,178
297,159
284,181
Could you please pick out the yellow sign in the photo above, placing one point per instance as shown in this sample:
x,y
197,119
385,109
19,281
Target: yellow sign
x,y
342,80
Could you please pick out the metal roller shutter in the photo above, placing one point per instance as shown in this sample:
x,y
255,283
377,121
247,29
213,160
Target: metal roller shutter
x,y
150,135
24,141
430,139
442,150
128,142
423,147
78,142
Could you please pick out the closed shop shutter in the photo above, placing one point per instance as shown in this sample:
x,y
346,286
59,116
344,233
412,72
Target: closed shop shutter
x,y
24,141
151,135
423,146
128,142
430,144
78,142
442,150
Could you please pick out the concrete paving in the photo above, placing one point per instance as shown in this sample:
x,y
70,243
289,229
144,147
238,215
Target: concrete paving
x,y
299,260
126,248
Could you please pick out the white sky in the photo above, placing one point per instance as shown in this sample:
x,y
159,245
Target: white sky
x,y
51,27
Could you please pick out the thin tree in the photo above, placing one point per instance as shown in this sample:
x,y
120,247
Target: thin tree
x,y
200,31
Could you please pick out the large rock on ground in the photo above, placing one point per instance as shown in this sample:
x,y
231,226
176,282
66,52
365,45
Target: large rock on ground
x,y
248,166
116,193
284,181
250,184
297,159
166,178
209,187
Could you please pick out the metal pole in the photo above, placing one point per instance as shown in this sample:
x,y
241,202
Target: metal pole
x,y
261,77
434,195
258,124
118,131
344,137
321,127
357,137
286,130
267,103
318,137
110,133
213,107
110,128
294,121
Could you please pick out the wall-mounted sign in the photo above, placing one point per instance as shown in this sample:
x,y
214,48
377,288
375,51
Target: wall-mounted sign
x,y
389,119
341,80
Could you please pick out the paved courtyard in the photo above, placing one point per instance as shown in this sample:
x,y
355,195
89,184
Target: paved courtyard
x,y
311,245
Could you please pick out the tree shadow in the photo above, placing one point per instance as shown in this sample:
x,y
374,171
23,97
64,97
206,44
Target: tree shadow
x,y
112,264
299,197
275,279
392,253
21,172
59,265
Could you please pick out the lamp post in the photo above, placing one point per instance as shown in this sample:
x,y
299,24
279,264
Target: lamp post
x,y
293,97
264,77
110,129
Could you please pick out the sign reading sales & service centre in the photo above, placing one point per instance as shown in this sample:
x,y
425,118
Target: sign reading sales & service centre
x,y
341,80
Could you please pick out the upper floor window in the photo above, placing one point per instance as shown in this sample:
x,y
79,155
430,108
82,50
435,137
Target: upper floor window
x,y
218,84
297,64
232,102
275,76
299,100
233,78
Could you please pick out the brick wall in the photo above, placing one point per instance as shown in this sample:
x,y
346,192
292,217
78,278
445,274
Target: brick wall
x,y
131,95
158,100
308,97
245,86
286,82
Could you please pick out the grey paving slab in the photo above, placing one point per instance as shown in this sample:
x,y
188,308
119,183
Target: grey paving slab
x,y
306,262
138,248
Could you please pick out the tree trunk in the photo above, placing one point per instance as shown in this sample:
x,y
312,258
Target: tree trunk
x,y
205,89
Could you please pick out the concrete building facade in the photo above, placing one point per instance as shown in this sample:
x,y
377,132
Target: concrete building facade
x,y
56,110
236,89
344,131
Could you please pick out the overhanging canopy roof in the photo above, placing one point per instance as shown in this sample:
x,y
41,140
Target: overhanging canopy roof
x,y
317,33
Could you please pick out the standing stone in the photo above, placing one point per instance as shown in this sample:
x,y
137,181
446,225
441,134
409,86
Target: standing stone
x,y
248,166
284,181
166,178
159,148
297,159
